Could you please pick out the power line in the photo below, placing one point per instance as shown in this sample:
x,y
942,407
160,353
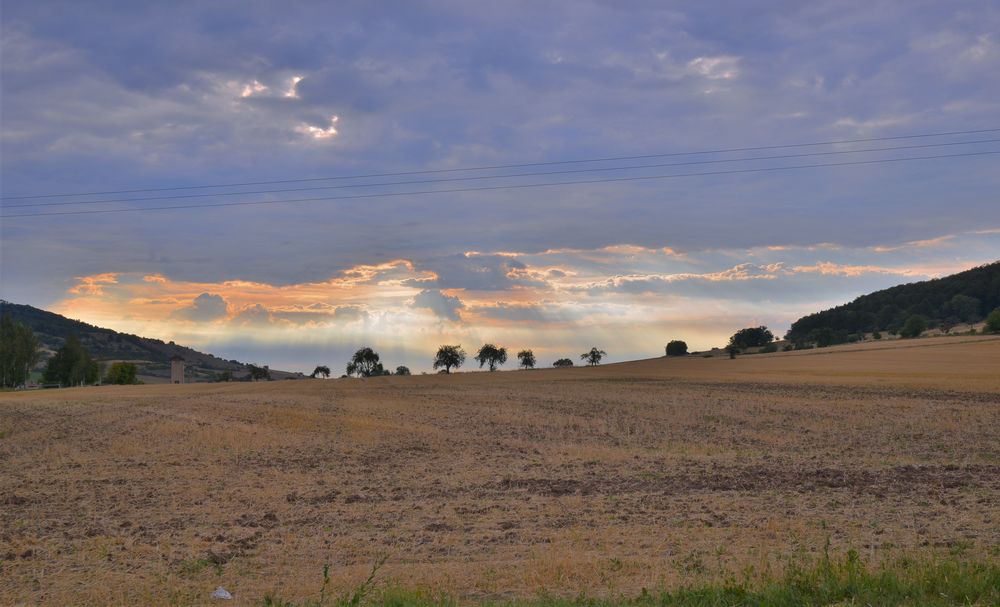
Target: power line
x,y
506,166
485,177
503,187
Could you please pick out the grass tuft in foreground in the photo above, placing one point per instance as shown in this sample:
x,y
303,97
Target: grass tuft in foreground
x,y
844,581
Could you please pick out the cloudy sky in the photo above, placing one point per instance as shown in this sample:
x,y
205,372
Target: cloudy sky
x,y
118,96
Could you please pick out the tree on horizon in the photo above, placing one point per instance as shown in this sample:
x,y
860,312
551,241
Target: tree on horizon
x,y
365,363
257,373
491,355
594,357
527,359
751,337
449,357
677,348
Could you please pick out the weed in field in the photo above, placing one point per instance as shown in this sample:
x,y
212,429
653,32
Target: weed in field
x,y
692,563
959,547
352,599
848,580
194,566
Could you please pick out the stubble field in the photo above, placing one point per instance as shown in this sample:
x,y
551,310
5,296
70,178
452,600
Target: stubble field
x,y
600,481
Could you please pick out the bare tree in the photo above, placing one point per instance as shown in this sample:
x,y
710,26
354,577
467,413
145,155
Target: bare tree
x,y
593,357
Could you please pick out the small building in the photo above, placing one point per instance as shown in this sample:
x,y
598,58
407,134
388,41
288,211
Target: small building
x,y
177,370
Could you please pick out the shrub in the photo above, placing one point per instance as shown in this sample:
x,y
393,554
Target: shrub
x,y
121,374
677,348
768,349
876,335
256,372
914,326
992,322
563,362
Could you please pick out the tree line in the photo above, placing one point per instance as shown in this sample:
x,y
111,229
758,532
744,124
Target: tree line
x,y
907,310
72,364
366,362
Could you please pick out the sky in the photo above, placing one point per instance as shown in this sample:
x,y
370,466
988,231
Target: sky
x,y
119,96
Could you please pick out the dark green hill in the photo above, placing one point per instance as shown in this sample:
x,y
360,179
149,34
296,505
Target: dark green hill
x,y
965,297
152,355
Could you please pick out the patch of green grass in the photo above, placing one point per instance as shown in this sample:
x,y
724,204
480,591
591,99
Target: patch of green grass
x,y
351,599
900,582
194,566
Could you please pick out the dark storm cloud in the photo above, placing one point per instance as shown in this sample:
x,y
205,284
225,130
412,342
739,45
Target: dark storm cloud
x,y
476,273
443,306
254,314
321,314
204,308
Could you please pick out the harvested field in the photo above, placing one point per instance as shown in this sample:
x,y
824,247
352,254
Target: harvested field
x,y
598,480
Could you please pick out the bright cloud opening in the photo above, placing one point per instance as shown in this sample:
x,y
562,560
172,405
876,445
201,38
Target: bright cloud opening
x,y
715,68
319,133
292,92
254,88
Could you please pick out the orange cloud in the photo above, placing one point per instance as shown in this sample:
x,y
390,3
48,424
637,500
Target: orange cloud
x,y
835,269
94,284
915,244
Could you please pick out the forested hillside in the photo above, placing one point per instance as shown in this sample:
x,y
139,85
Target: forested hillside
x,y
153,355
965,297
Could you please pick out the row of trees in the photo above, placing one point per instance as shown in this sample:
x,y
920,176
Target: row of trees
x,y
259,373
493,356
751,337
71,365
912,326
366,362
761,337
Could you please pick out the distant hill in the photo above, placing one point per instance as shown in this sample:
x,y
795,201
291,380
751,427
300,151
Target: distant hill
x,y
152,355
965,297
